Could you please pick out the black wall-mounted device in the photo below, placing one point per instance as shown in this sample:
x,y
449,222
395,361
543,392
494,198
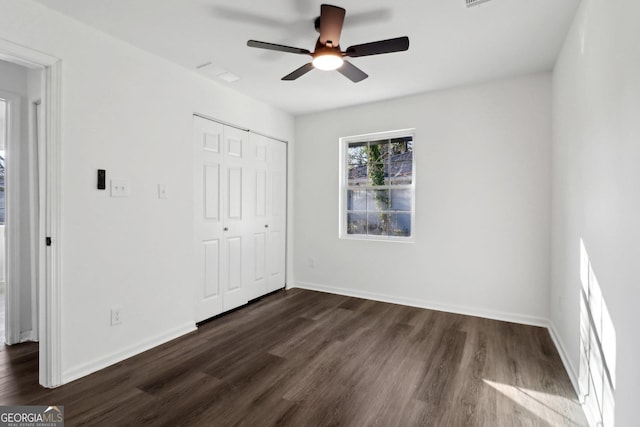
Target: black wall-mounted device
x,y
102,179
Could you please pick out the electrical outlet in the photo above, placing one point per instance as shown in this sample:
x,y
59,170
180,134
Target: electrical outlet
x,y
116,316
119,188
312,262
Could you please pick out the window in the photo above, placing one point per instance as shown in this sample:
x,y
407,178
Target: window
x,y
377,186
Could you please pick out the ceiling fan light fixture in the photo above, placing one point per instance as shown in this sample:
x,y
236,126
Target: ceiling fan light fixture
x,y
328,62
327,54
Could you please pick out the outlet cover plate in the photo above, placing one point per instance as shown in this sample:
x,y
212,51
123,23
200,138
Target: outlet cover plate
x,y
116,315
119,188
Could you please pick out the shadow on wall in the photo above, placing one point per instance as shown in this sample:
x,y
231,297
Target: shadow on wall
x,y
597,380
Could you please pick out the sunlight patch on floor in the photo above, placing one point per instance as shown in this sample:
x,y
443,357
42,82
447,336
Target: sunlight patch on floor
x,y
552,409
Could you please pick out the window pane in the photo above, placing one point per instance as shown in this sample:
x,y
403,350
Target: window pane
x,y
401,161
357,153
400,224
378,224
358,175
401,200
401,173
356,223
378,174
379,151
356,200
401,147
377,200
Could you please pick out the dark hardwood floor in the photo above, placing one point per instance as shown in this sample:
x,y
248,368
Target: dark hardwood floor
x,y
302,358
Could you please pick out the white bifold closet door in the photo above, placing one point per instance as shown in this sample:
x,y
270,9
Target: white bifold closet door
x,y
240,217
276,236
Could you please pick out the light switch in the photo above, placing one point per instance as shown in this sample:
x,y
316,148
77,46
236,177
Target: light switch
x,y
119,188
162,191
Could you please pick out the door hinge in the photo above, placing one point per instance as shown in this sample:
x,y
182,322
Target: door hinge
x,y
48,241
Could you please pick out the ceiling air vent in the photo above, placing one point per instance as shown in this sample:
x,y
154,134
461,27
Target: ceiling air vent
x,y
471,3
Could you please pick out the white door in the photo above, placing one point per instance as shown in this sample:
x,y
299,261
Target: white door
x,y
258,215
236,232
222,188
240,216
208,163
276,245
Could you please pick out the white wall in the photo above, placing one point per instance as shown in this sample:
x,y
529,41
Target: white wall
x,y
596,152
129,112
13,78
482,202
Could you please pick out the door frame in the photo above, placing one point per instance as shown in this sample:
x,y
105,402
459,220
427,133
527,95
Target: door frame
x,y
49,284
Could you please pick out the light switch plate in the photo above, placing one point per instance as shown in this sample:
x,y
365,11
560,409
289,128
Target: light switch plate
x,y
162,191
119,188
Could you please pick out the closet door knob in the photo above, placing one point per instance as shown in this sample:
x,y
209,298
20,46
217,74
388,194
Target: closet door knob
x,y
266,226
226,229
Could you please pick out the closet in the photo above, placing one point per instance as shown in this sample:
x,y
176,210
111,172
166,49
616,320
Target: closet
x,y
240,216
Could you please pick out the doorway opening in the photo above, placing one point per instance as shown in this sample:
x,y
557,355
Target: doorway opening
x,y
47,324
20,91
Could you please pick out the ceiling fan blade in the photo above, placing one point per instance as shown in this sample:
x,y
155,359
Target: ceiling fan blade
x,y
331,21
376,48
299,72
352,72
278,47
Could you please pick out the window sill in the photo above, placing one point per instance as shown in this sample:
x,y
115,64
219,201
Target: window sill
x,y
363,237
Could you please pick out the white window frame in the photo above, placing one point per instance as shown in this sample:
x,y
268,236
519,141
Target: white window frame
x,y
344,187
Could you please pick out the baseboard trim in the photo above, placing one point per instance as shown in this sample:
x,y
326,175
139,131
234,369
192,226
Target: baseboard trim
x,y
27,336
568,366
431,305
113,358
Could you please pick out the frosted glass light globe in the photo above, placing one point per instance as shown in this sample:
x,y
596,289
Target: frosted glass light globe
x,y
327,62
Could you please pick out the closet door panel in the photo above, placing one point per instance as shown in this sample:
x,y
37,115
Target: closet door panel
x,y
234,264
261,193
208,205
212,200
211,269
277,215
234,193
258,214
237,232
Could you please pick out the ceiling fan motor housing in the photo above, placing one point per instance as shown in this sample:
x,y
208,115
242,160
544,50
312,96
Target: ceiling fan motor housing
x,y
327,49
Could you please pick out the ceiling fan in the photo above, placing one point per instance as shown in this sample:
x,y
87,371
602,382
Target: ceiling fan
x,y
327,54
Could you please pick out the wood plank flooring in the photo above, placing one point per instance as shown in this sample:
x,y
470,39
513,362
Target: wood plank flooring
x,y
303,358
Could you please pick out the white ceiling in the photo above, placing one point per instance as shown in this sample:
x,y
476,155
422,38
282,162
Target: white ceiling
x,y
451,45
